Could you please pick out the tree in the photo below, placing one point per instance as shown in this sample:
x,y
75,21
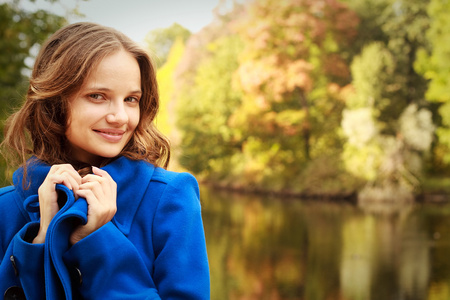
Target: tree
x,y
434,64
166,119
399,26
160,41
167,91
387,94
21,33
300,104
391,164
292,71
204,109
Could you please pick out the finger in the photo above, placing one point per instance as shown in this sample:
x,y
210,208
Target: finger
x,y
101,194
93,186
91,199
70,171
112,184
66,170
94,183
74,183
59,179
92,178
74,179
100,172
98,207
58,169
65,179
87,194
104,179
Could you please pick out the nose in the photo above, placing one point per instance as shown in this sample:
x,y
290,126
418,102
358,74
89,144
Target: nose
x,y
117,114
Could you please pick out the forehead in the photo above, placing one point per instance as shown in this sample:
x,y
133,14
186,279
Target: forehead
x,y
117,70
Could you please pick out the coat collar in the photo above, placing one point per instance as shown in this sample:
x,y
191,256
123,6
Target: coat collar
x,y
132,178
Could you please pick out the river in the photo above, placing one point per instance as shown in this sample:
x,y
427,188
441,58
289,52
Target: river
x,y
273,248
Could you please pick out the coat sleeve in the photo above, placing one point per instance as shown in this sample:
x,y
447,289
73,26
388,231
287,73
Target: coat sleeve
x,y
22,263
110,265
181,269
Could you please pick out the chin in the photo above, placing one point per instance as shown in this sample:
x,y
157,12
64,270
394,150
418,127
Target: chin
x,y
110,155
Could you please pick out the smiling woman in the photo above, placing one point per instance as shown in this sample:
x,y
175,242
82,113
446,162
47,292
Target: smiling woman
x,y
117,232
105,111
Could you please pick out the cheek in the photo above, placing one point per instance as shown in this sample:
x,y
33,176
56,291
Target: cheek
x,y
73,119
134,119
69,123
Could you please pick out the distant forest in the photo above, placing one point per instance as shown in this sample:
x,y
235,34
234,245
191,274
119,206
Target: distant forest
x,y
308,97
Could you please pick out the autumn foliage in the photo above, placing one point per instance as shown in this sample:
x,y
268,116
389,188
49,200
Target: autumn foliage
x,y
272,95
305,97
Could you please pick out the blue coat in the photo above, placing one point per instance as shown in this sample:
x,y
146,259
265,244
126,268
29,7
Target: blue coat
x,y
154,248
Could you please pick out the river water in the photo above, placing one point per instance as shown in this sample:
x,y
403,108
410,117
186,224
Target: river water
x,y
274,248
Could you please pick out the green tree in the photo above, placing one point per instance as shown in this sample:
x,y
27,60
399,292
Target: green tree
x,y
433,63
292,72
206,97
204,109
283,127
21,33
399,25
391,164
161,40
388,93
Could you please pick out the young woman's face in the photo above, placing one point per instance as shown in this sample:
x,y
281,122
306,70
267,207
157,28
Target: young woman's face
x,y
105,112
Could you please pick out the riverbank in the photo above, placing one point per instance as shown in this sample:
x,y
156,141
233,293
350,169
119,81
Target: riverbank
x,y
434,190
286,194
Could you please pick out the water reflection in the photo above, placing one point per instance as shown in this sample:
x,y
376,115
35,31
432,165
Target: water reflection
x,y
267,248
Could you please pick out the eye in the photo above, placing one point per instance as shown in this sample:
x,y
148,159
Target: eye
x,y
132,99
96,97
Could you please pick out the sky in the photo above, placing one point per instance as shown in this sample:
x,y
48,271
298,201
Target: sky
x,y
135,18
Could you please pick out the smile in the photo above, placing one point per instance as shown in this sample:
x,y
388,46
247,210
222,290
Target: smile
x,y
111,135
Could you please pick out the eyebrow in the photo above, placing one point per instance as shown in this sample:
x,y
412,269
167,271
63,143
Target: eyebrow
x,y
104,89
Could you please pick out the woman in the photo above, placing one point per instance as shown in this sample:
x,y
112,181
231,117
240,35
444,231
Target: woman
x,y
91,214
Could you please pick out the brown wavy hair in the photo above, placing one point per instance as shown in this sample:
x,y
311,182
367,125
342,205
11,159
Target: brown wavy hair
x,y
64,61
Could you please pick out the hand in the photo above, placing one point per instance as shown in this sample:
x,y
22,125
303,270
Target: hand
x,y
48,199
100,192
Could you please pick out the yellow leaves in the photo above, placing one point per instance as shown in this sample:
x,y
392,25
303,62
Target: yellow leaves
x,y
253,119
439,290
297,76
254,74
258,158
243,116
363,162
260,35
359,126
286,94
335,91
290,121
165,75
274,77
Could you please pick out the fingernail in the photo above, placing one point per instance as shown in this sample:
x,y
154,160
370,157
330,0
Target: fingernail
x,y
96,170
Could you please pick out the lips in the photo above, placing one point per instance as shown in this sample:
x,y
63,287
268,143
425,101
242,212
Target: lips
x,y
110,135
